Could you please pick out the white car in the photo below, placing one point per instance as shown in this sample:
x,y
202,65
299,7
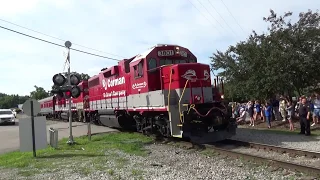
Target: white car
x,y
7,117
14,113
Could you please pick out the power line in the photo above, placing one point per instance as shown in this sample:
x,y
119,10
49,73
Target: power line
x,y
211,15
58,44
58,38
204,16
232,16
222,17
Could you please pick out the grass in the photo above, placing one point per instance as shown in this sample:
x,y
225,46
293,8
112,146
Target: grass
x,y
81,156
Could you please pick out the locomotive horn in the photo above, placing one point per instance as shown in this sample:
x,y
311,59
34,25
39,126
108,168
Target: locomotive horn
x,y
215,83
222,87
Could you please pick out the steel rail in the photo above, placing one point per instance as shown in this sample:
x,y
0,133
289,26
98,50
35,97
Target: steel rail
x,y
310,170
279,149
263,160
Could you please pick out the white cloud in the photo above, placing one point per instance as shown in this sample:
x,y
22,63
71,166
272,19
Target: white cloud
x,y
125,28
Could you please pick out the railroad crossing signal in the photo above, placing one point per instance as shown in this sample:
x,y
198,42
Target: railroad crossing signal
x,y
67,91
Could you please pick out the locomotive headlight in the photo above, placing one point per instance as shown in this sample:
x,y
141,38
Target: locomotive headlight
x,y
177,50
222,96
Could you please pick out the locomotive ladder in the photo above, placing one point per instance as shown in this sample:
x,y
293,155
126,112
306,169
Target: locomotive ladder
x,y
174,114
185,105
192,106
179,113
181,116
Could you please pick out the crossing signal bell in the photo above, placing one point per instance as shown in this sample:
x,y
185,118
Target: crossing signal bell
x,y
67,91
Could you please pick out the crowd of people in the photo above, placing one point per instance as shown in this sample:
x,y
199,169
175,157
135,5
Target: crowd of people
x,y
306,109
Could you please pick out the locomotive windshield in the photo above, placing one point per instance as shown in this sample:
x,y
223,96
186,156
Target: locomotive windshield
x,y
152,63
175,61
172,61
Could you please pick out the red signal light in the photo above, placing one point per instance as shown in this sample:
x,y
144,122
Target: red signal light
x,y
67,94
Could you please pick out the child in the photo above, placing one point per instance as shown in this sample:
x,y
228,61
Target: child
x,y
290,110
242,115
267,112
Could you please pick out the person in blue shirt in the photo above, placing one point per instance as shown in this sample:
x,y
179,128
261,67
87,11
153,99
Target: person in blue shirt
x,y
257,108
267,112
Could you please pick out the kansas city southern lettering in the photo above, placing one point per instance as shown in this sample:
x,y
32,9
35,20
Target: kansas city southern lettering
x,y
113,82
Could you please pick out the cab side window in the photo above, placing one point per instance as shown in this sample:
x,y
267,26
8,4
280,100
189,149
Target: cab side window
x,y
138,70
152,63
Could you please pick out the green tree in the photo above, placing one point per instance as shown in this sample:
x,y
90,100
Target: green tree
x,y
39,93
11,101
283,60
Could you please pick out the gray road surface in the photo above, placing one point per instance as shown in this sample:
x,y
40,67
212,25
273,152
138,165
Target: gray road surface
x,y
9,134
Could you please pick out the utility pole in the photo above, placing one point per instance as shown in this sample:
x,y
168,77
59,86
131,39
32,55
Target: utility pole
x,y
70,141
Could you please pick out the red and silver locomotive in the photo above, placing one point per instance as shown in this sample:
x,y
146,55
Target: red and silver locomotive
x,y
163,90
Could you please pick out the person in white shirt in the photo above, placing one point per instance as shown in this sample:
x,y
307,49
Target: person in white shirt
x,y
243,115
316,109
282,108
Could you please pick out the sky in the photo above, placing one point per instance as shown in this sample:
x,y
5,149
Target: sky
x,y
120,29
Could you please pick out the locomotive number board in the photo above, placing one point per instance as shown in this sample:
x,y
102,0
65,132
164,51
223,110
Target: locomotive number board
x,y
166,53
171,53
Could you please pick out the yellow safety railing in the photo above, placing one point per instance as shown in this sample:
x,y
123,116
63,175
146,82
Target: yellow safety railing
x,y
180,114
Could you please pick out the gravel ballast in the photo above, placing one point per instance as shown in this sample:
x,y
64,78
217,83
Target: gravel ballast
x,y
163,162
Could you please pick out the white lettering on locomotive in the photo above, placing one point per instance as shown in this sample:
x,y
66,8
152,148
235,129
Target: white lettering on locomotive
x,y
139,85
113,82
206,75
114,93
166,53
190,75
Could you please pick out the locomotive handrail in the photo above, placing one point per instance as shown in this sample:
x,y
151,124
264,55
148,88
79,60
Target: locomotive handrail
x,y
180,114
192,106
169,88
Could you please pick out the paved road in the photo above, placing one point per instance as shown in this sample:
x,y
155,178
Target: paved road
x,y
9,134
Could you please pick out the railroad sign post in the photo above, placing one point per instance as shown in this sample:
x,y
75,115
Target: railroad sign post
x,y
70,141
38,126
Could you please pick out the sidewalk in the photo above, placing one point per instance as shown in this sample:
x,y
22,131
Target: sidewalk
x,y
78,129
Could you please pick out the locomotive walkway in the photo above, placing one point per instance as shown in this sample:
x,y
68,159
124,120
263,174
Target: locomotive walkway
x,y
9,134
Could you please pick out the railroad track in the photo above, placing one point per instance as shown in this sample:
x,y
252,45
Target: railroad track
x,y
279,149
222,148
